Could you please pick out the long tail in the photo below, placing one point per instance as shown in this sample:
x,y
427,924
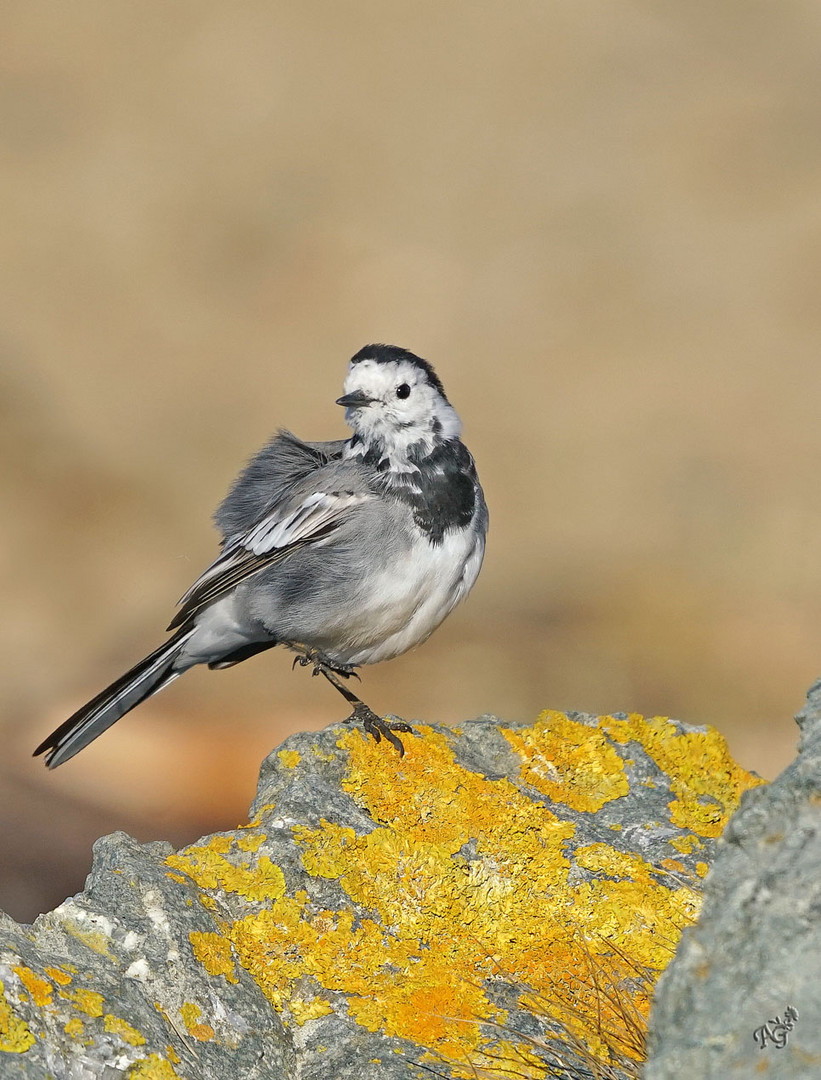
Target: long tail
x,y
143,680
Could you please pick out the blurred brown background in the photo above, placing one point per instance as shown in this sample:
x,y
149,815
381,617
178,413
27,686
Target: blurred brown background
x,y
600,221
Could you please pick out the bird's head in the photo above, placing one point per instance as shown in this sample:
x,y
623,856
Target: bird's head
x,y
395,398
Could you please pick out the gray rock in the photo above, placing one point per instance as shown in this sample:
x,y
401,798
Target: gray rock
x,y
379,916
724,1007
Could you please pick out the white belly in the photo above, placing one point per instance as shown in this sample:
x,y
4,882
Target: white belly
x,y
406,602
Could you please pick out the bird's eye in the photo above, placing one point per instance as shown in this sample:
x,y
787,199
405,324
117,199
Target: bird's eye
x,y
403,390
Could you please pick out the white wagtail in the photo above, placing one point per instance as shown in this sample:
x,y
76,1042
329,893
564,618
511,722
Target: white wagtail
x,y
346,552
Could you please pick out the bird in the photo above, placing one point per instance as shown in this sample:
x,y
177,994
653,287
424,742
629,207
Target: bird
x,y
347,552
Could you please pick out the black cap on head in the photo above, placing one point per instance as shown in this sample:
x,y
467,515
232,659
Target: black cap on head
x,y
390,354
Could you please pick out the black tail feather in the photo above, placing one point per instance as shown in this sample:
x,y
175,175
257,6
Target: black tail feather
x,y
146,678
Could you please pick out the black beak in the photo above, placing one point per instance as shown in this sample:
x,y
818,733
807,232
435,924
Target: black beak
x,y
355,400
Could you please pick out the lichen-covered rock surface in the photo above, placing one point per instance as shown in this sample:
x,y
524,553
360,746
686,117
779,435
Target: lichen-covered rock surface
x,y
742,998
454,910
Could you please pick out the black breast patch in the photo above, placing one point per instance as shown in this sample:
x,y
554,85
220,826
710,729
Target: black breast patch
x,y
442,495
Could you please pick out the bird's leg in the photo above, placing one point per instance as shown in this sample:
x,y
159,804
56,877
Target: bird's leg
x,y
375,725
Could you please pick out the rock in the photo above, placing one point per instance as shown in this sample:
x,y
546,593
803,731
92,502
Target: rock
x,y
726,1005
459,908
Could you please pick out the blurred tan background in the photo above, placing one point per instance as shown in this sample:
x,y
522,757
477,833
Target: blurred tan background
x,y
600,222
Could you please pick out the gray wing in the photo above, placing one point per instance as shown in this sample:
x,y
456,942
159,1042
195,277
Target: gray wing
x,y
316,504
268,477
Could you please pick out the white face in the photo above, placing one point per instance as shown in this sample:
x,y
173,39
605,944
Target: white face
x,y
404,408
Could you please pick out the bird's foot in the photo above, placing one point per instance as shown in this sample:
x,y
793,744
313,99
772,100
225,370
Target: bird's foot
x,y
380,728
343,670
321,665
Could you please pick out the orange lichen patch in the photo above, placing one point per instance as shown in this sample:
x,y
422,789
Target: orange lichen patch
x,y
388,980
88,1002
58,975
74,1027
705,780
115,1026
39,990
15,1036
673,865
190,1013
214,953
290,758
251,842
600,1014
207,866
571,763
153,1068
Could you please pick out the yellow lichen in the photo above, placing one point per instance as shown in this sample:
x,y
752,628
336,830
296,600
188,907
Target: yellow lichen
x,y
173,1055
39,990
92,939
251,841
705,780
15,1036
190,1013
152,1068
464,879
445,922
115,1026
207,866
74,1027
289,758
702,869
262,812
571,763
88,1002
58,975
214,953
302,1010
687,844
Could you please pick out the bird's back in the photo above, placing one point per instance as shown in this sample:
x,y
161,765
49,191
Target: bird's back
x,y
268,477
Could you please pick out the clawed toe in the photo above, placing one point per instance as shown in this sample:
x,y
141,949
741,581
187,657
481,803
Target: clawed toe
x,y
398,725
347,673
378,728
